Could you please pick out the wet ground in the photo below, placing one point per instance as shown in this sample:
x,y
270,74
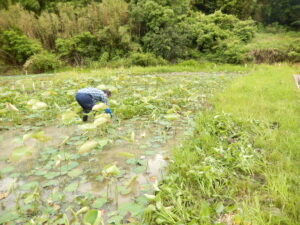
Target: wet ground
x,y
142,161
130,158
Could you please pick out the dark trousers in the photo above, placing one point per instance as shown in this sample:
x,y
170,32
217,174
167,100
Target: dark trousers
x,y
86,102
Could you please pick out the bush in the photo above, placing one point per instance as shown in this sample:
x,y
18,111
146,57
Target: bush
x,y
269,55
78,48
188,63
146,59
42,62
230,52
276,28
294,51
16,48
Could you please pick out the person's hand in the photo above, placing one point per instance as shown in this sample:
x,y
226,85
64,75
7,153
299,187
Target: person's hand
x,y
108,111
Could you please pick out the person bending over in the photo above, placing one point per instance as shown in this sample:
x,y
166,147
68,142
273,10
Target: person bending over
x,y
88,97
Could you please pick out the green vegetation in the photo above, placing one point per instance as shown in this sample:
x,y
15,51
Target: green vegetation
x,y
187,76
242,167
237,164
270,96
124,33
274,47
72,171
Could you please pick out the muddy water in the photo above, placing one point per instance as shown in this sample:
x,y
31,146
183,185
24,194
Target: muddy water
x,y
148,146
156,162
9,140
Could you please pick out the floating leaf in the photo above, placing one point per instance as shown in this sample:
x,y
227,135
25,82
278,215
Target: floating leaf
x,y
133,208
75,172
68,117
150,197
51,175
8,216
69,166
115,219
39,105
7,169
87,127
71,187
40,172
100,178
125,190
56,196
26,137
93,217
51,183
100,107
171,117
32,102
131,161
99,202
21,153
82,210
100,121
150,152
126,154
87,146
29,186
111,170
139,169
103,142
40,136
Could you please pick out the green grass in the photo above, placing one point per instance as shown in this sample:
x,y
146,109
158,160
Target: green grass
x,y
241,167
279,41
270,95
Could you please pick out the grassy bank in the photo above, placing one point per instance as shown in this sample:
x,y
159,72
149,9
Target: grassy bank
x,y
241,167
270,95
274,47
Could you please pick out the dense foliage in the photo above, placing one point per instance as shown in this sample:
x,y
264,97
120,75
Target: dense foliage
x,y
82,32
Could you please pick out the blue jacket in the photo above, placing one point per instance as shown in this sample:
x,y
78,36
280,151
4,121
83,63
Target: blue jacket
x,y
97,95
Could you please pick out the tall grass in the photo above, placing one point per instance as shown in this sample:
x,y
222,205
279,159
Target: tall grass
x,y
270,95
241,167
68,21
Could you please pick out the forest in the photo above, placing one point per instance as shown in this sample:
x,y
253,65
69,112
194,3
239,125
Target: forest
x,y
45,35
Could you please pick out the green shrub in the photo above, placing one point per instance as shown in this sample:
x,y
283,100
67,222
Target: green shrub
x,y
190,62
117,62
230,52
146,59
268,55
42,62
16,48
170,43
294,51
78,48
208,31
104,58
276,28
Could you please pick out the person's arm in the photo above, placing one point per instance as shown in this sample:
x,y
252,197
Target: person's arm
x,y
103,99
